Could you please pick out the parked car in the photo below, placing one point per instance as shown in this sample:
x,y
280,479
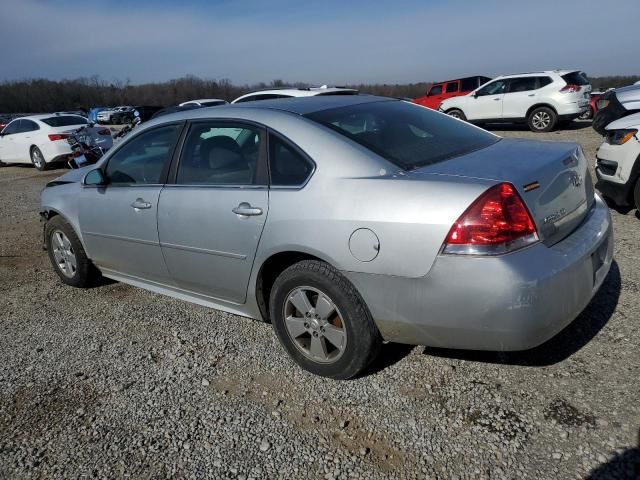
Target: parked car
x,y
590,112
294,92
438,92
106,116
541,99
618,162
616,104
128,115
204,102
41,139
345,221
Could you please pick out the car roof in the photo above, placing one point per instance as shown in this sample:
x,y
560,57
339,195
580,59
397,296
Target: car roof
x,y
300,92
42,116
297,105
543,72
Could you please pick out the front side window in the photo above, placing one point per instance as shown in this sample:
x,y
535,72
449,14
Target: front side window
x,y
141,160
219,154
287,166
13,127
435,90
452,87
493,88
403,133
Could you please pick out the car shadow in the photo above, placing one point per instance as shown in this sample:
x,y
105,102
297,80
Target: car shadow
x,y
569,341
390,354
622,466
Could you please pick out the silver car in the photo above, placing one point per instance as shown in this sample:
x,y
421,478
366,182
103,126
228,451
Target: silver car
x,y
345,221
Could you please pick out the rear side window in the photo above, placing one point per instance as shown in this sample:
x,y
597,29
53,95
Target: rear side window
x,y
141,160
287,166
28,126
435,90
523,84
64,121
405,134
544,81
576,78
219,154
452,87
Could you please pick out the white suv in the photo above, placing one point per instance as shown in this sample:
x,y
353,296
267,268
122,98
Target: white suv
x,y
294,92
541,99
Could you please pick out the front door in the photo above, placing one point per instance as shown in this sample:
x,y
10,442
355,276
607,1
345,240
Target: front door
x,y
10,141
119,221
211,218
486,103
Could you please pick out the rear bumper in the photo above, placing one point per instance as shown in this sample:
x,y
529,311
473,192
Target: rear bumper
x,y
55,151
512,302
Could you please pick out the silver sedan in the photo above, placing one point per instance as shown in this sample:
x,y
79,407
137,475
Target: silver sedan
x,y
345,221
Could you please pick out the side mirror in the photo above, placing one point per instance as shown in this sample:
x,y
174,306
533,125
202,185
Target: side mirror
x,y
474,94
95,178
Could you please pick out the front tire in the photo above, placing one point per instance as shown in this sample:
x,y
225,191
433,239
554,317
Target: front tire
x,y
457,113
542,119
322,322
38,159
67,255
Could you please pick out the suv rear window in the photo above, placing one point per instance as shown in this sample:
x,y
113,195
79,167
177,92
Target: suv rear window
x,y
405,134
576,78
64,121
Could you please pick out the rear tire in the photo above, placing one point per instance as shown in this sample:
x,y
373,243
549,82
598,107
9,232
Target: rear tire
x,y
322,321
542,119
587,115
38,159
67,255
457,113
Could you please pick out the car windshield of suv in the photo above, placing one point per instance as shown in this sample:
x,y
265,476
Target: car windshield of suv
x,y
65,121
576,78
408,135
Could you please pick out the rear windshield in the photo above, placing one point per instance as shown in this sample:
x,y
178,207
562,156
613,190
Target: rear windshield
x,y
576,78
407,135
64,121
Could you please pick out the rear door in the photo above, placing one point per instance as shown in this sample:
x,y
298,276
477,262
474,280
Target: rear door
x,y
486,103
451,89
8,148
211,216
520,95
119,221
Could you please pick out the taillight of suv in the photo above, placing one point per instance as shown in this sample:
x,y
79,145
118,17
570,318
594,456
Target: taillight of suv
x,y
497,222
570,89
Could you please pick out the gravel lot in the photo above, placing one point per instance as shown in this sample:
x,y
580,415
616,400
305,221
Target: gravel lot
x,y
115,381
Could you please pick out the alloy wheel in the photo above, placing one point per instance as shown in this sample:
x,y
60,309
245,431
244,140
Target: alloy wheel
x,y
63,253
541,120
315,324
37,158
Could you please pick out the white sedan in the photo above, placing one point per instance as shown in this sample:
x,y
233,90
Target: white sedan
x,y
42,139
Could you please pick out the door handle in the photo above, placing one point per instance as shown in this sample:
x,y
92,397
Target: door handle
x,y
497,99
531,95
140,204
246,210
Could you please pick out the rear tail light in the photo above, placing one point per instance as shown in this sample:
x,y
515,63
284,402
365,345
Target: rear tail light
x,y
57,136
497,222
570,89
104,131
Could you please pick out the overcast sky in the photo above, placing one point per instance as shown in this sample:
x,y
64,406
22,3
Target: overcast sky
x,y
335,42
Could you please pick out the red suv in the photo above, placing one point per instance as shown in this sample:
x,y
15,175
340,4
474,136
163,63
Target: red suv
x,y
451,88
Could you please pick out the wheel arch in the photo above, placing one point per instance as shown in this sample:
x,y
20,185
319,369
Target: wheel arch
x,y
539,105
271,268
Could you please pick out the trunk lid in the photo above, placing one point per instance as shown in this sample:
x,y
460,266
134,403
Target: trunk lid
x,y
551,177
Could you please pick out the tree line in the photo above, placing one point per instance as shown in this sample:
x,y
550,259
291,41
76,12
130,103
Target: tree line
x,y
41,95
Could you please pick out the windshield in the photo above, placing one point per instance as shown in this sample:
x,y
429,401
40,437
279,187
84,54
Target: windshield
x,y
65,121
407,135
